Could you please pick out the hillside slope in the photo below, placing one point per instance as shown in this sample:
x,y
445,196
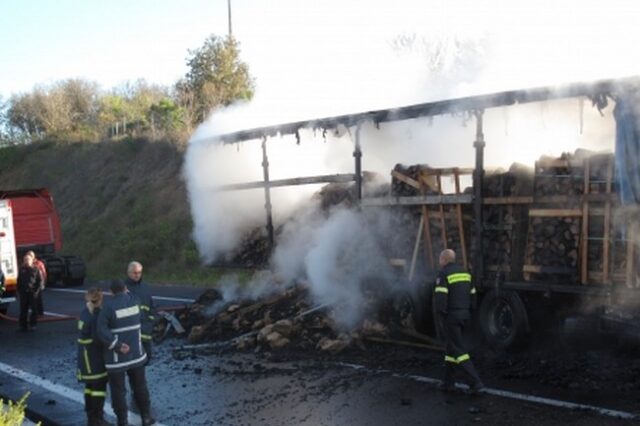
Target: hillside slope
x,y
117,201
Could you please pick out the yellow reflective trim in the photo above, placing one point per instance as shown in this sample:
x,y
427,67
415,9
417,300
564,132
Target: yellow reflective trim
x,y
458,360
100,394
459,277
463,358
442,290
86,361
145,337
144,307
80,324
92,376
85,341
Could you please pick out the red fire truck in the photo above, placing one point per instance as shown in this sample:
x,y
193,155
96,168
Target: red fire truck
x,y
36,227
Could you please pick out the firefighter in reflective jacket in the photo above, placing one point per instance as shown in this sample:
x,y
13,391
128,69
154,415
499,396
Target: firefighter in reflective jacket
x,y
454,299
119,329
142,292
91,368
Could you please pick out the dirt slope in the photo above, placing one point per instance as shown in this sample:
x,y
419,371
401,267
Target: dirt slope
x,y
116,200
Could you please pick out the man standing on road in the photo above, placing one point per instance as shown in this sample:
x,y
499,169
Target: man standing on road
x,y
142,293
29,282
454,298
91,368
43,276
119,329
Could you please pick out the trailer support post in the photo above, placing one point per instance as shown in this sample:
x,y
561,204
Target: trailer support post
x,y
478,175
267,192
357,154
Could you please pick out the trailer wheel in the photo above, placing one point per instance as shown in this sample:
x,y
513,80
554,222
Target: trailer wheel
x,y
503,319
74,271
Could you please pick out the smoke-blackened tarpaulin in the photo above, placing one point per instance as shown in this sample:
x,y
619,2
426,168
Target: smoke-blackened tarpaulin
x,y
627,159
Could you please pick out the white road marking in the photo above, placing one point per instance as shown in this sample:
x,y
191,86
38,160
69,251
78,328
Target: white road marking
x,y
53,314
506,394
62,391
172,299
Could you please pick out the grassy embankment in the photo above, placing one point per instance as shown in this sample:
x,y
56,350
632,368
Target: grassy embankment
x,y
117,201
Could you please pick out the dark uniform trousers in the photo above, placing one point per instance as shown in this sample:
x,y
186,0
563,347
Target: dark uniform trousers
x,y
456,355
28,300
138,381
95,393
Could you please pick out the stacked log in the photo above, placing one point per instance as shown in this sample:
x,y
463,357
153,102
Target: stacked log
x,y
573,245
505,224
441,223
554,232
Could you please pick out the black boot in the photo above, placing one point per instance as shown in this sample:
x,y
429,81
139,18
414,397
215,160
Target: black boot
x,y
147,420
123,419
449,380
475,384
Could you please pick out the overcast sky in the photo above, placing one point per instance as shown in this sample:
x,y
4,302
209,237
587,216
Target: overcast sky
x,y
325,48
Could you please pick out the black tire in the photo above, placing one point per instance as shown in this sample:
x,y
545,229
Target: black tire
x,y
55,269
503,319
74,271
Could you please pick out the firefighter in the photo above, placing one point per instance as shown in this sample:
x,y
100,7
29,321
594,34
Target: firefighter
x,y
142,292
455,297
43,277
91,369
119,329
29,282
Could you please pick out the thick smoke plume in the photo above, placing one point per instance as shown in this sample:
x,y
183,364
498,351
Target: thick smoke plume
x,y
469,52
338,253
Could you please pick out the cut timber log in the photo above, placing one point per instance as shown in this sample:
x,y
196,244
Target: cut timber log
x,y
406,179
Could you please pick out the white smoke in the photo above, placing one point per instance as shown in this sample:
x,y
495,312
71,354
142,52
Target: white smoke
x,y
337,253
470,48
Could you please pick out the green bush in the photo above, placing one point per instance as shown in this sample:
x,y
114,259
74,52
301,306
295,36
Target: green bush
x,y
12,414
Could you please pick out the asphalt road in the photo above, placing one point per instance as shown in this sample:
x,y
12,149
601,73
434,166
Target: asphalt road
x,y
229,388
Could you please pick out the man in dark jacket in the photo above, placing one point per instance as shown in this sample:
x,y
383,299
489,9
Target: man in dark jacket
x,y
141,291
91,368
29,282
454,298
119,329
43,277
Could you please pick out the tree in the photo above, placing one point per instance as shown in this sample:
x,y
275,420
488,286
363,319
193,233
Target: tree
x,y
216,77
4,122
166,116
66,110
126,110
24,115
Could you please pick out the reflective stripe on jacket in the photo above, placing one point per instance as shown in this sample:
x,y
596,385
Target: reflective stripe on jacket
x,y
141,291
454,289
120,322
90,359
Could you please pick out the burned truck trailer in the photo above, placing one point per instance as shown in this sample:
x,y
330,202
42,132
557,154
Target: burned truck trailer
x,y
559,240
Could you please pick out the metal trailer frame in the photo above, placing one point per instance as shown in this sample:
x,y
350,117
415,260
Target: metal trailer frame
x,y
596,91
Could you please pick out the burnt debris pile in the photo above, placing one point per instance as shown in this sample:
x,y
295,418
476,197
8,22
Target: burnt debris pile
x,y
287,319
